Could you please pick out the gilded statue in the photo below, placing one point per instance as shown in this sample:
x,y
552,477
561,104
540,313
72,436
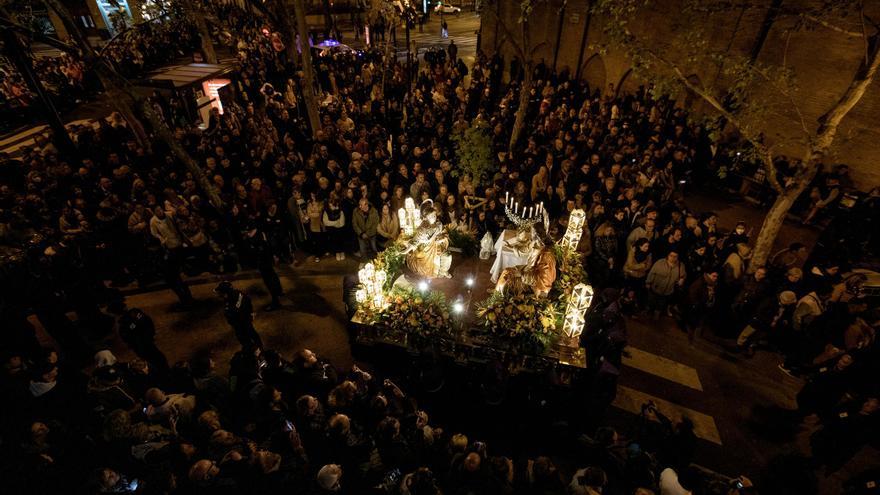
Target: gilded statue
x,y
427,254
539,272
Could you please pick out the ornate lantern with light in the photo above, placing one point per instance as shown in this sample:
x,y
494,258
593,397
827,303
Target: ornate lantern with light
x,y
575,313
575,230
409,217
371,293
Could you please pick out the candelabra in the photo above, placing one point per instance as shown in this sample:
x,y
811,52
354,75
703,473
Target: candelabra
x,y
575,230
527,217
409,217
371,294
578,303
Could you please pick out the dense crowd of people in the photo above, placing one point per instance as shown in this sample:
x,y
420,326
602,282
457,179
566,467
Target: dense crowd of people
x,y
64,77
122,212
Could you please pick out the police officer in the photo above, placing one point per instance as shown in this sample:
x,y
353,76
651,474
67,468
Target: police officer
x,y
239,313
137,330
259,247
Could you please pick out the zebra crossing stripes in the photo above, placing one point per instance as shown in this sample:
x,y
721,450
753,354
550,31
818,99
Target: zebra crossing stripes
x,y
631,400
663,367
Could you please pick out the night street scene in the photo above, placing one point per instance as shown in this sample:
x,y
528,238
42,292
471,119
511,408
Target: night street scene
x,y
424,247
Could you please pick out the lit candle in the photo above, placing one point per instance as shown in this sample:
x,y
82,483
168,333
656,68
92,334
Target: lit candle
x,y
515,208
506,197
530,212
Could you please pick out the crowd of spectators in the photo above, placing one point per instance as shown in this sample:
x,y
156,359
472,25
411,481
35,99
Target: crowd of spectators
x,y
295,426
133,53
121,212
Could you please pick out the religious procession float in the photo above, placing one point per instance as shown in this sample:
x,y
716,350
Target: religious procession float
x,y
527,310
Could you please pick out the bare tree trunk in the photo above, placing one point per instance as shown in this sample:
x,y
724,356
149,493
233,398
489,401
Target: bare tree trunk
x,y
523,108
287,31
197,17
173,144
205,37
828,126
308,86
125,104
766,240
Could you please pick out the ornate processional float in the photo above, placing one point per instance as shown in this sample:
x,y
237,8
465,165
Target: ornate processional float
x,y
536,291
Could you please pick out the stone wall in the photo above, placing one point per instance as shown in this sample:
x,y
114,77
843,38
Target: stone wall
x,y
823,61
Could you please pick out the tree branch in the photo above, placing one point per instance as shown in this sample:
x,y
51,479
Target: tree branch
x,y
814,17
788,94
53,42
828,25
864,76
763,151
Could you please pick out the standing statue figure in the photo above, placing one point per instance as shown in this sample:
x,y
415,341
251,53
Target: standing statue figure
x,y
427,254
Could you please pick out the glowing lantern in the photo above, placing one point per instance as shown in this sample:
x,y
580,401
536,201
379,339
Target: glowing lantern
x,y
409,217
578,304
575,230
371,292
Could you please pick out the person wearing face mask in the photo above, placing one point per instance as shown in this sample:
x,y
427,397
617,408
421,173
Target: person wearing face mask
x,y
739,235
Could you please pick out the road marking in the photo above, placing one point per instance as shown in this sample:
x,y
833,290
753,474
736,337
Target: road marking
x,y
28,137
663,367
20,136
631,400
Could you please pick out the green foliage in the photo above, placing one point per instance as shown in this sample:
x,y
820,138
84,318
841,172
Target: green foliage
x,y
465,241
417,316
473,149
392,260
569,272
525,324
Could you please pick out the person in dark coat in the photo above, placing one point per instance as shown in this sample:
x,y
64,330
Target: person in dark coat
x,y
702,298
258,245
239,311
137,330
772,317
824,388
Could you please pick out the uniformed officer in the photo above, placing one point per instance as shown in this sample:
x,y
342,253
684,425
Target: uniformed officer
x,y
239,312
137,330
259,247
